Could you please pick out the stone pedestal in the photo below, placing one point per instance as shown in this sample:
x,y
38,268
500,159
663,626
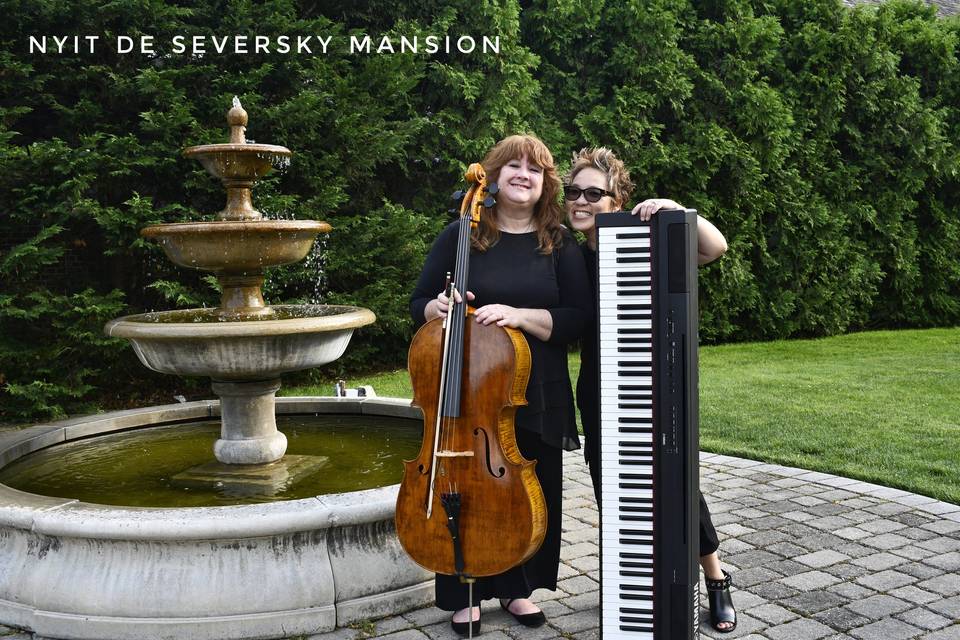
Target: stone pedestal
x,y
248,433
250,481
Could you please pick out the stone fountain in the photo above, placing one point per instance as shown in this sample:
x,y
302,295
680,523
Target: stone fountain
x,y
78,570
243,345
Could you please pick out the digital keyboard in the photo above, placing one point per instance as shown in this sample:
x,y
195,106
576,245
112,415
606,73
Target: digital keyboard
x,y
647,333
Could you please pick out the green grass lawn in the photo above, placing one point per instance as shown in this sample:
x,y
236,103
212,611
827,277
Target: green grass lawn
x,y
880,406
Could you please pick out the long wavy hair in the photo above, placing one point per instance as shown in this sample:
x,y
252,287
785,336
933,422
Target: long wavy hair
x,y
547,212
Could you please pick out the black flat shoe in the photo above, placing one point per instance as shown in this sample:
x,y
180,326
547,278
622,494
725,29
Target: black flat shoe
x,y
532,620
464,628
721,603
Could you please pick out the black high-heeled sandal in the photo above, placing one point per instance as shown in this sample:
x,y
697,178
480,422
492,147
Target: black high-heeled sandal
x,y
463,628
532,620
721,603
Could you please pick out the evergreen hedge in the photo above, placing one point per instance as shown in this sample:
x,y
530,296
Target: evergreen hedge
x,y
821,140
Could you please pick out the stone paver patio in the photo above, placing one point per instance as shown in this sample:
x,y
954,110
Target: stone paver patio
x,y
814,557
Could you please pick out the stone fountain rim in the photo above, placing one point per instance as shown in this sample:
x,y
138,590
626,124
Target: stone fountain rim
x,y
133,326
232,226
73,518
235,147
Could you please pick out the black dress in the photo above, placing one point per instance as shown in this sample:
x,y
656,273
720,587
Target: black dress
x,y
514,273
589,404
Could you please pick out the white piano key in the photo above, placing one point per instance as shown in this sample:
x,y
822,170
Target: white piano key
x,y
615,278
612,244
631,262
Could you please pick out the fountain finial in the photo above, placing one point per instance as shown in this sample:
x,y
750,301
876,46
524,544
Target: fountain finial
x,y
237,119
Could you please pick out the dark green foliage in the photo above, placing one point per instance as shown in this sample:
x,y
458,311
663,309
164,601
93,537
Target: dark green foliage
x,y
821,140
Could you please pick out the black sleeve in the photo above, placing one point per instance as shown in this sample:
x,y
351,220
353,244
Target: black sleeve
x,y
571,316
439,262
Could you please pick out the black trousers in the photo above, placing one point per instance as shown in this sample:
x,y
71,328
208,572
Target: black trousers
x,y
540,571
709,542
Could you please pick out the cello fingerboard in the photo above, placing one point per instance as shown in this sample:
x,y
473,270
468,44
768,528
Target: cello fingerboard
x,y
647,333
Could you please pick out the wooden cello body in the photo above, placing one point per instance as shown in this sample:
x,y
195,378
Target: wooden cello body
x,y
469,504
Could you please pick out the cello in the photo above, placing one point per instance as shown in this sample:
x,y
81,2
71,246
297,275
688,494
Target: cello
x,y
469,478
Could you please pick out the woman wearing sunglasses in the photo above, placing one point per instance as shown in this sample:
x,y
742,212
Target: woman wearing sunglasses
x,y
600,183
526,272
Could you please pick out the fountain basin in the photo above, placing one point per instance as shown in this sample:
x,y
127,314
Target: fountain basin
x,y
193,342
75,570
239,248
242,161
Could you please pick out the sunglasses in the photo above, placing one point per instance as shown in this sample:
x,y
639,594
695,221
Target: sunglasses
x,y
590,194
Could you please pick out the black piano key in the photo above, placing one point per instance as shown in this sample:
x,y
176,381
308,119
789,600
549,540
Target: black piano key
x,y
634,405
628,374
635,476
633,274
636,587
634,387
623,420
636,565
633,316
638,624
626,518
633,250
635,429
636,574
633,331
633,350
634,307
632,485
627,235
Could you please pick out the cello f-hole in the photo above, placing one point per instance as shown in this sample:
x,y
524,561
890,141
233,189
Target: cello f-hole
x,y
486,442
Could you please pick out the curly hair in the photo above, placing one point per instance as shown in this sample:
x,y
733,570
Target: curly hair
x,y
547,213
603,159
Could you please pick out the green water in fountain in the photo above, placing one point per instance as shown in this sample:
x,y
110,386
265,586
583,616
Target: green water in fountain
x,y
134,468
280,312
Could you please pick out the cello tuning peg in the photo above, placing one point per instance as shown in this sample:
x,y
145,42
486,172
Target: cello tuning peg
x,y
458,195
488,202
493,188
